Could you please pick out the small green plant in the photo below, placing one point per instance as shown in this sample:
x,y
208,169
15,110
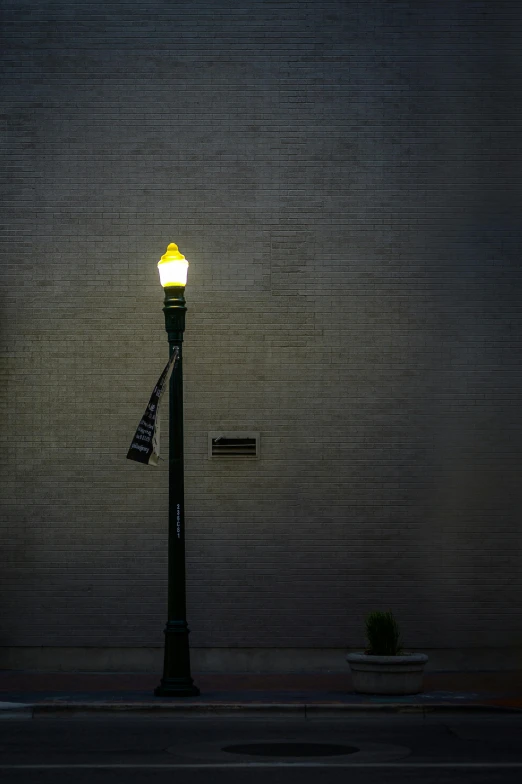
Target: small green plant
x,y
383,634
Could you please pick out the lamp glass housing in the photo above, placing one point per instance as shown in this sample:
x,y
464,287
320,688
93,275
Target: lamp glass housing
x,y
173,273
173,267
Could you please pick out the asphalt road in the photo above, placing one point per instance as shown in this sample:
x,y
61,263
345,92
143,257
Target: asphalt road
x,y
391,748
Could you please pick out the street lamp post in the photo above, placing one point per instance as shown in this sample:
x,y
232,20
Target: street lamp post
x,y
176,680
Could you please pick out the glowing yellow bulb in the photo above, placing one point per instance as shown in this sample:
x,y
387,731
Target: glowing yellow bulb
x,y
173,267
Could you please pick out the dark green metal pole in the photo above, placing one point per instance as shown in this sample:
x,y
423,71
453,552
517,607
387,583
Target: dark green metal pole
x,y
176,681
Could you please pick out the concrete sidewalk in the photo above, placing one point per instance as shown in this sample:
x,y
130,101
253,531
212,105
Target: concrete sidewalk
x,y
60,693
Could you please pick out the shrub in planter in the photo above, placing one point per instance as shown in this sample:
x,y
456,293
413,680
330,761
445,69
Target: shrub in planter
x,y
384,668
383,634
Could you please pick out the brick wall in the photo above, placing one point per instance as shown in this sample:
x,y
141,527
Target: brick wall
x,y
344,180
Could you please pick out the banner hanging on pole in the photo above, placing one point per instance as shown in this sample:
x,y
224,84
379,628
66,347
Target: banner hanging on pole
x,y
145,446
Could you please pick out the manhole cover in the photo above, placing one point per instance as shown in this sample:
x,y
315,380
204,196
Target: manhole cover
x,y
285,749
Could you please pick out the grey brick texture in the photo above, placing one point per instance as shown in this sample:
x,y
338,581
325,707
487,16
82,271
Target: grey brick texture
x,y
344,179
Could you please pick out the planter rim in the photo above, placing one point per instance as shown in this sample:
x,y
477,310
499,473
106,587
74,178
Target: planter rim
x,y
402,659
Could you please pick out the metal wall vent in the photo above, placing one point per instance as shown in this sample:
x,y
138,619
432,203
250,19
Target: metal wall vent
x,y
237,444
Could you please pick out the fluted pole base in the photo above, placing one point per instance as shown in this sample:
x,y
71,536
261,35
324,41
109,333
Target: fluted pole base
x,y
177,660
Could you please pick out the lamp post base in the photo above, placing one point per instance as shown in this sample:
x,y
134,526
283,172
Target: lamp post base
x,y
176,680
176,687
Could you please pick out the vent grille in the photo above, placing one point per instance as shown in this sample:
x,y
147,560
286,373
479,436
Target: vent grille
x,y
227,445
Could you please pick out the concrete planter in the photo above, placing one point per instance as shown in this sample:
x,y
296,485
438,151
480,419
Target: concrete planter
x,y
387,674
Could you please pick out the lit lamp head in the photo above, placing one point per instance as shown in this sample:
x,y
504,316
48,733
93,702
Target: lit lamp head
x,y
173,268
